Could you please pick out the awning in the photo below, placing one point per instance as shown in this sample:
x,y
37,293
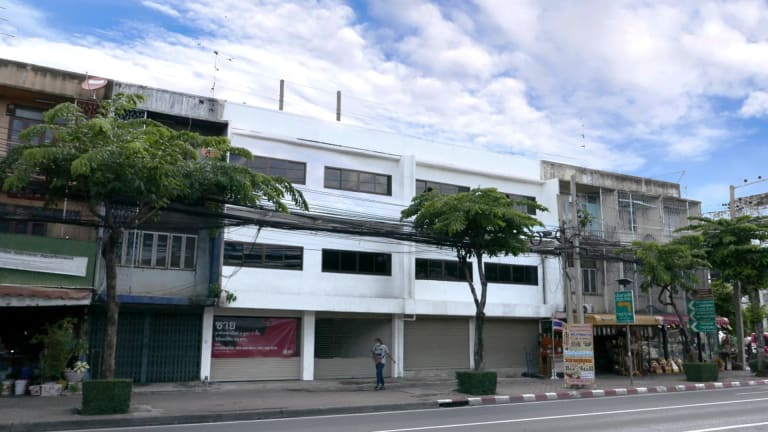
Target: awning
x,y
26,295
672,320
610,319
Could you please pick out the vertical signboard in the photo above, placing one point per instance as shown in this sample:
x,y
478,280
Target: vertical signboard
x,y
625,309
701,312
579,355
245,337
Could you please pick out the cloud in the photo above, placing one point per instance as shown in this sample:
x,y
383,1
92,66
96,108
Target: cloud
x,y
165,9
756,104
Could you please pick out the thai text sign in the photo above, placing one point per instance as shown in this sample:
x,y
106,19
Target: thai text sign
x,y
625,309
701,312
244,337
579,355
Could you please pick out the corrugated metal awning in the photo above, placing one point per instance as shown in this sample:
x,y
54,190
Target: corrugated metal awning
x,y
28,295
610,319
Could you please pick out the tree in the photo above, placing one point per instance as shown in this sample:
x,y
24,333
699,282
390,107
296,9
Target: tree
x,y
127,171
734,247
672,267
724,304
478,223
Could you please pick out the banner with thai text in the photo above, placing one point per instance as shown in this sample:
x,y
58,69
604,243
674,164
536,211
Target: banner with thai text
x,y
579,354
245,337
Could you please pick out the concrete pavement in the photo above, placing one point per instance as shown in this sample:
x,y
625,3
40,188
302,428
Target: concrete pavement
x,y
197,402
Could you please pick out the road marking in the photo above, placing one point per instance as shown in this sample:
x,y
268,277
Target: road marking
x,y
604,413
754,392
745,425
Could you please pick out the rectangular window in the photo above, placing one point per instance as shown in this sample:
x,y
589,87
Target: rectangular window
x,y
442,270
525,208
294,172
512,274
372,263
239,254
20,119
589,276
358,181
441,188
157,250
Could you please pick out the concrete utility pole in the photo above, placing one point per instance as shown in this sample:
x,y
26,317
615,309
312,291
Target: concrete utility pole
x,y
576,252
737,291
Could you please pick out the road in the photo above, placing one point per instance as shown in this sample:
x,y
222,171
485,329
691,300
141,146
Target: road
x,y
742,409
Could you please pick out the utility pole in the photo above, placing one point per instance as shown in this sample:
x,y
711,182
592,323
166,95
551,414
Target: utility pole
x,y
576,252
737,291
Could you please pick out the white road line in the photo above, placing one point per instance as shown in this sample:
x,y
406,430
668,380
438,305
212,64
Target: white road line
x,y
530,419
754,392
722,428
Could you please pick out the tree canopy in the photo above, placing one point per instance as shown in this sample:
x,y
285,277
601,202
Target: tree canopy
x,y
127,170
478,223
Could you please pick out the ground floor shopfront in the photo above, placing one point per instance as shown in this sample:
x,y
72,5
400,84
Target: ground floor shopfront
x,y
249,344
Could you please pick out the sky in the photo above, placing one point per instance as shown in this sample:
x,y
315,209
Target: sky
x,y
671,90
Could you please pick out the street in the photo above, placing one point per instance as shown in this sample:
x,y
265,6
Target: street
x,y
740,409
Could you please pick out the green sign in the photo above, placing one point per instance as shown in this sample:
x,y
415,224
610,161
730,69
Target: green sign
x,y
701,315
625,308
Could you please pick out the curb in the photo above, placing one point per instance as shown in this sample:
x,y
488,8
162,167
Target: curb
x,y
122,421
583,394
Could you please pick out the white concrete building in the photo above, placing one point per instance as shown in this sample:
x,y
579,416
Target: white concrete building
x,y
319,298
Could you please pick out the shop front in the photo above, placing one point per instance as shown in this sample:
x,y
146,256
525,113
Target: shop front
x,y
610,343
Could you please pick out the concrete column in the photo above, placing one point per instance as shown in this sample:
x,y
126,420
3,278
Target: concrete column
x,y
308,346
471,324
206,345
398,345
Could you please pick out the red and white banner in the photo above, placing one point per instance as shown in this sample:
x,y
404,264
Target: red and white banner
x,y
245,337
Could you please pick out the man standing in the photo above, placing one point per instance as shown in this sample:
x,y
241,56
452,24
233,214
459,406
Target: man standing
x,y
380,352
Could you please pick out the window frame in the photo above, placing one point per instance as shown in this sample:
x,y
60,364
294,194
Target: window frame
x,y
262,250
341,181
342,254
511,269
268,171
528,209
432,184
130,250
444,275
26,123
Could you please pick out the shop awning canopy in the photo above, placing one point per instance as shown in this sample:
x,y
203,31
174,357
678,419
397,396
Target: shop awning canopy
x,y
25,295
610,319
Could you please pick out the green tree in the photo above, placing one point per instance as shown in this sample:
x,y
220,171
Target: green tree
x,y
474,224
724,304
672,267
733,246
127,171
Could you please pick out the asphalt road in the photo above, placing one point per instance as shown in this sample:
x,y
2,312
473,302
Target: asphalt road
x,y
742,409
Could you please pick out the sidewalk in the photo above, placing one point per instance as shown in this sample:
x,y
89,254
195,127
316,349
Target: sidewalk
x,y
195,402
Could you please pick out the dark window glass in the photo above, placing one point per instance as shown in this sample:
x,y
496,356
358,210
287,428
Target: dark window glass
x,y
358,181
443,270
441,188
512,274
335,261
147,242
262,255
233,254
176,251
295,172
161,252
523,207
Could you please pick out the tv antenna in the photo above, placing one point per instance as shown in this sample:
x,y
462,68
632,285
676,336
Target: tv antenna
x,y
216,69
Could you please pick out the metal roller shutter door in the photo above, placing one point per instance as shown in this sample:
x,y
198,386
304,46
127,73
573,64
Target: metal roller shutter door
x,y
343,346
255,369
506,342
436,344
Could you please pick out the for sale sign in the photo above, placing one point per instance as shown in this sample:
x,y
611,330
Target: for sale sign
x,y
245,337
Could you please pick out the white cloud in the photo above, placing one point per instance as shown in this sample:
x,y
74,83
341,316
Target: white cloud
x,y
165,9
756,104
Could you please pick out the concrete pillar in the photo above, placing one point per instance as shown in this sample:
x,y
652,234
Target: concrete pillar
x,y
471,324
308,346
398,345
206,345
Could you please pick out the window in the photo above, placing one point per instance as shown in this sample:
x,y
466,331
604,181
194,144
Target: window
x,y
16,219
525,208
442,270
512,274
441,188
589,276
263,255
157,250
373,263
21,118
294,172
358,181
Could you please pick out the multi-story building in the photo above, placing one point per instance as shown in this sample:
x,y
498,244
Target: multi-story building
x,y
317,299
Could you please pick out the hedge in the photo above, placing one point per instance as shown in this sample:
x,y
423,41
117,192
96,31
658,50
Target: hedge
x,y
106,397
701,372
476,383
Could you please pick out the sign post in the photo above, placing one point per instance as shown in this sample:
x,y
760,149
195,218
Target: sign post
x,y
625,314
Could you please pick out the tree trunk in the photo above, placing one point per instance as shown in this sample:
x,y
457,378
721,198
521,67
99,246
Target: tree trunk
x,y
479,344
690,353
113,307
754,299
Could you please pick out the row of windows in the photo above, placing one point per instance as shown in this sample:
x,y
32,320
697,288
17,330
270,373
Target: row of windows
x,y
261,255
353,180
156,250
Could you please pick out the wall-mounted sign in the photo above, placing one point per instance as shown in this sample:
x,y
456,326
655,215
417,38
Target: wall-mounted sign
x,y
43,263
244,337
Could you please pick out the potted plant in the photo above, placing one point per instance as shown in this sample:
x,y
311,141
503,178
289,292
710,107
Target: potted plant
x,y
76,373
59,345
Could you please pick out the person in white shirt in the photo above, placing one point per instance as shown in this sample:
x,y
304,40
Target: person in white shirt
x,y
380,352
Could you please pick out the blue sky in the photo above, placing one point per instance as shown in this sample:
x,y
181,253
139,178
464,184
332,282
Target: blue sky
x,y
673,90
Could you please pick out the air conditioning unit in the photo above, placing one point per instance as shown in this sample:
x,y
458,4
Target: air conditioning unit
x,y
588,307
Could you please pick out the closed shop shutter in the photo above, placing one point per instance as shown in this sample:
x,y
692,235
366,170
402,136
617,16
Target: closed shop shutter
x,y
343,346
436,344
255,369
506,342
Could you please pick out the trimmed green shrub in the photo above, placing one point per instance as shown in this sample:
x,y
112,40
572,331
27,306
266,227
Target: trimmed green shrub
x,y
701,372
476,383
106,396
753,368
